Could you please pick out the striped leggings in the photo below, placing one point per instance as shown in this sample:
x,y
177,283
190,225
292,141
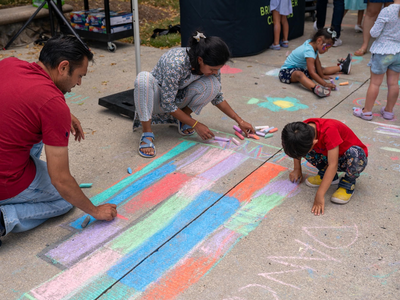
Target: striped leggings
x,y
147,95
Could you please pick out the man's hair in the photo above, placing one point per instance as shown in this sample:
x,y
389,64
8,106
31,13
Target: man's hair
x,y
297,139
61,48
212,49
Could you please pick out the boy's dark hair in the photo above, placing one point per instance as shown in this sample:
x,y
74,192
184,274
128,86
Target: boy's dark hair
x,y
297,139
327,33
61,48
212,49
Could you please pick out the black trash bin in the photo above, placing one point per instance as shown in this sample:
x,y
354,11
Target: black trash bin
x,y
246,26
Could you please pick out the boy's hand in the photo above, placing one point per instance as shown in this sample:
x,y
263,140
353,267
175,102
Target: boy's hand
x,y
318,206
295,176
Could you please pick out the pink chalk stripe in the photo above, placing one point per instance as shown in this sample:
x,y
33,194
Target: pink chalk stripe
x,y
76,277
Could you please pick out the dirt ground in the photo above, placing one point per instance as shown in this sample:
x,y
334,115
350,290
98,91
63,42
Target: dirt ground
x,y
147,13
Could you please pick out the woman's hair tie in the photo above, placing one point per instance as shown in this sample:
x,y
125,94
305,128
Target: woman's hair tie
x,y
198,36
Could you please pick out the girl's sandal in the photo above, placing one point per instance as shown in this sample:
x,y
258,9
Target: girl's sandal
x,y
360,52
284,44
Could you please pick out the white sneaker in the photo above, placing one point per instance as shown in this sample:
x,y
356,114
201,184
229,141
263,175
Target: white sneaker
x,y
338,43
315,26
358,28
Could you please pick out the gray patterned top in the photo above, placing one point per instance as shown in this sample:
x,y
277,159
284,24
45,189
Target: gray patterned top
x,y
173,73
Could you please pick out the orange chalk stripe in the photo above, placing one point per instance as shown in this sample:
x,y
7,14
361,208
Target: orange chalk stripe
x,y
344,83
273,130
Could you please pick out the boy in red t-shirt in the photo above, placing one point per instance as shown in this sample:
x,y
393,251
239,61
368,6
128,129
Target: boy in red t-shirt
x,y
330,146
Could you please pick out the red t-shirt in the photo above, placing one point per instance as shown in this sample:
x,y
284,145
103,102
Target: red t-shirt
x,y
332,133
32,109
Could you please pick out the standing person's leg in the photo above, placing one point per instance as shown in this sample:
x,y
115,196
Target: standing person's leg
x,y
352,162
337,17
392,78
321,13
360,16
285,29
39,202
146,90
371,14
276,17
321,163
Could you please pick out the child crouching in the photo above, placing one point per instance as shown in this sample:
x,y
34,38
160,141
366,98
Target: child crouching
x,y
330,146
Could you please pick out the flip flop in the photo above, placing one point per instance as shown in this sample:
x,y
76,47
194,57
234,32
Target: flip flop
x,y
182,128
386,115
360,52
358,112
147,144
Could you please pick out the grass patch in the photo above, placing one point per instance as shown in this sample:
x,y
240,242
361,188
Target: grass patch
x,y
164,41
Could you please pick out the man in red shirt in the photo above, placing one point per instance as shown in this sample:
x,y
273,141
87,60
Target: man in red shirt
x,y
330,146
33,113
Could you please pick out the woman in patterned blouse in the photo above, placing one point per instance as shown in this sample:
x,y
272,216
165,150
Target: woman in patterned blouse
x,y
183,81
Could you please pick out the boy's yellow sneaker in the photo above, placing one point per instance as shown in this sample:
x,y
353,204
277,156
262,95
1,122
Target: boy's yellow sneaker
x,y
315,181
343,194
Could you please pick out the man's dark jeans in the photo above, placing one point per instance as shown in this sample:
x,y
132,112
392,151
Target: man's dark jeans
x,y
337,17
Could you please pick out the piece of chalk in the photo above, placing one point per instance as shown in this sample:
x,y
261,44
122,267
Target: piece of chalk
x,y
269,129
218,138
273,130
239,135
331,80
235,141
260,133
237,128
261,127
129,170
337,78
268,135
85,222
344,83
85,185
254,136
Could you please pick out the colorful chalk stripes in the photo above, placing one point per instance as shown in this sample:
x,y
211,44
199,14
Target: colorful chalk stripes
x,y
173,227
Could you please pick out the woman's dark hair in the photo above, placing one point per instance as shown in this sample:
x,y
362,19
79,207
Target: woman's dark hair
x,y
61,48
327,33
297,139
211,49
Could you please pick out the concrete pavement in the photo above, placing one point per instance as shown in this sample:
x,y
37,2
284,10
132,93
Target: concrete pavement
x,y
213,220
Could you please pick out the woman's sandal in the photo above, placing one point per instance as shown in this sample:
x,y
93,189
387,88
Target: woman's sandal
x,y
360,52
183,128
387,115
284,44
147,144
358,112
